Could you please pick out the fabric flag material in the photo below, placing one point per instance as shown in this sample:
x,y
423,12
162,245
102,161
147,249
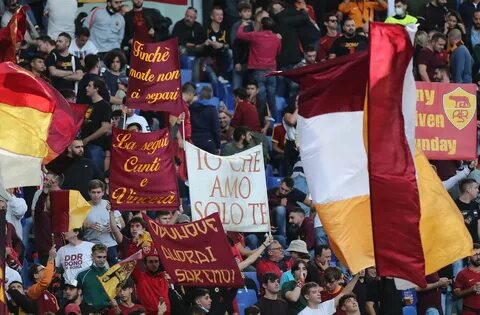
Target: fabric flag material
x,y
27,105
333,145
3,244
13,34
113,280
69,210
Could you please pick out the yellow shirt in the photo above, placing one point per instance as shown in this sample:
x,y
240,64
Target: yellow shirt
x,y
408,19
362,11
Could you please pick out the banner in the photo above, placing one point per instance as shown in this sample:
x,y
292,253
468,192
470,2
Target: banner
x,y
234,186
142,171
446,122
154,78
197,253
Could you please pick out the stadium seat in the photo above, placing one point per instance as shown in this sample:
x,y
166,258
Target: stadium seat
x,y
245,298
281,104
252,275
185,75
269,138
269,171
187,62
273,182
225,93
409,310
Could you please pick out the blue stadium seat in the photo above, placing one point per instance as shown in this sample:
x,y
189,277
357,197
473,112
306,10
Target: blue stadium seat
x,y
245,298
269,171
269,139
273,182
225,93
252,275
200,85
185,75
409,310
187,62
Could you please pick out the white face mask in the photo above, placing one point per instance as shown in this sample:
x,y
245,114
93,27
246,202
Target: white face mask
x,y
399,11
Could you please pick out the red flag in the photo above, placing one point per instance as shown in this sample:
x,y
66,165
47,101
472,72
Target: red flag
x,y
394,196
13,34
69,210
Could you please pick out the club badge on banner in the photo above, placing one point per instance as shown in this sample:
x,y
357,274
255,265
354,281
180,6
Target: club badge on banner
x,y
446,122
234,186
154,78
142,171
197,253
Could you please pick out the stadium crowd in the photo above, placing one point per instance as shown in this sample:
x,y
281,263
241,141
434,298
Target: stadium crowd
x,y
228,106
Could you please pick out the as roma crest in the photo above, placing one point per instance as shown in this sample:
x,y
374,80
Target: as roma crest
x,y
459,107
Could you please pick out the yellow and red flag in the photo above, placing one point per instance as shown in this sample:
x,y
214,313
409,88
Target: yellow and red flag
x,y
69,210
13,34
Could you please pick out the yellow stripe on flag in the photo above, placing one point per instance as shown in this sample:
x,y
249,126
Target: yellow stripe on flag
x,y
28,128
444,236
350,221
79,209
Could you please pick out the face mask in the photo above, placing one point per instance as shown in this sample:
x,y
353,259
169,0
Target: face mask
x,y
399,11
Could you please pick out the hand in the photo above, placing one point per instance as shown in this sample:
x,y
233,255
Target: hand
x,y
52,253
109,206
473,165
279,36
444,282
238,67
114,304
273,229
264,130
162,307
151,32
268,240
283,202
476,288
208,42
85,141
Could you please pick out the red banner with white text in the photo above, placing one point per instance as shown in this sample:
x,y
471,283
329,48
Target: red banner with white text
x,y
142,171
196,253
154,82
446,122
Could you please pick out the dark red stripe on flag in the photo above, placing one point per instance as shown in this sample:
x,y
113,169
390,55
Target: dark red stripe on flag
x,y
337,85
393,188
59,208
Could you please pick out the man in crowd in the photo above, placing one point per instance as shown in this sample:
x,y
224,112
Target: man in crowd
x,y
362,11
107,26
190,34
64,68
302,227
82,46
217,47
241,141
461,61
73,295
275,261
467,283
37,66
126,305
88,281
469,207
432,16
148,24
350,42
270,303
331,24
401,17
429,58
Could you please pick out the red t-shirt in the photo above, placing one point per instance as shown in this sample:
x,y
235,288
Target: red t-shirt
x,y
431,60
466,279
278,136
127,310
141,30
246,115
330,295
324,46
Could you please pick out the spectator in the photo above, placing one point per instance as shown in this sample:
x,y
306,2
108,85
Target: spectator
x,y
326,42
297,250
92,70
467,9
321,262
11,7
107,27
283,200
190,34
61,16
82,46
350,42
309,57
96,124
16,209
333,277
432,16
19,302
278,147
153,288
75,256
401,17
311,292
429,299
430,57
441,74
148,24
454,21
291,152
303,227
45,45
115,61
241,48
467,283
262,108
252,310
37,66
64,68
97,224
245,112
461,62
291,290
362,11
202,299
88,280
205,123
73,296
469,207
226,132
125,304
275,261
473,32
270,303
241,137
78,170
382,294
41,278
217,48
132,117
349,304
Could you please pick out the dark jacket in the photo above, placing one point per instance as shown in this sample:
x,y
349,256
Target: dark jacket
x,y
467,9
205,127
286,23
153,18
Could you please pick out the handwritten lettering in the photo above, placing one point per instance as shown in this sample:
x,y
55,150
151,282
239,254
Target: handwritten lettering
x,y
196,257
218,276
153,146
132,165
232,187
157,56
168,76
162,96
185,231
125,195
123,143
